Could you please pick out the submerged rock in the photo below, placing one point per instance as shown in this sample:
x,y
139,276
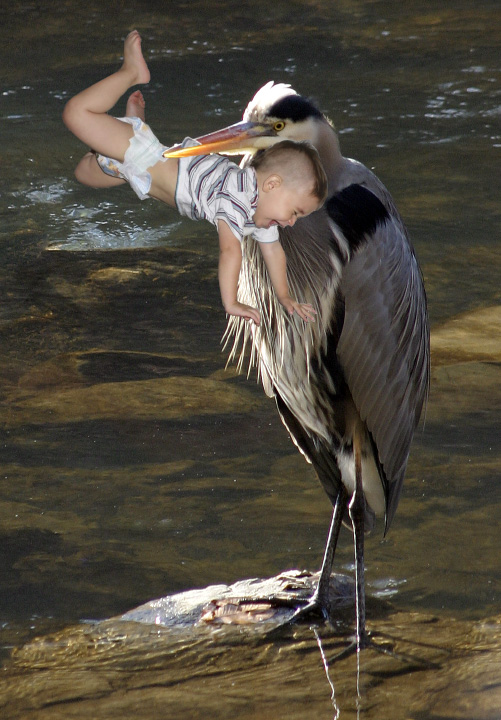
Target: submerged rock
x,y
164,398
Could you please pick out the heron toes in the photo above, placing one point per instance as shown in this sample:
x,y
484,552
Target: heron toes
x,y
313,611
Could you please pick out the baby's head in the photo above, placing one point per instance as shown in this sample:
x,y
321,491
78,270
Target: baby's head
x,y
291,183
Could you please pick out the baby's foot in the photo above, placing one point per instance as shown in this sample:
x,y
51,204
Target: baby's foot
x,y
134,62
135,105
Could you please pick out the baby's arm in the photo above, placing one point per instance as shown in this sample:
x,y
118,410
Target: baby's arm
x,y
230,261
89,173
276,264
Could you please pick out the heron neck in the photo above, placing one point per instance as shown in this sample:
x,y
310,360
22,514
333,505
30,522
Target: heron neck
x,y
328,148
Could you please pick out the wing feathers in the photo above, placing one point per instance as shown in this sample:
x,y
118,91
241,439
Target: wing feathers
x,y
383,348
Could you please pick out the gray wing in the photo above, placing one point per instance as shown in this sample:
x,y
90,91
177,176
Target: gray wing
x,y
384,344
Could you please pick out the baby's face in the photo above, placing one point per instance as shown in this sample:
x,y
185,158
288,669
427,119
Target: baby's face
x,y
283,205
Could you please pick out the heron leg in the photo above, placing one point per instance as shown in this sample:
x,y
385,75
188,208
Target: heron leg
x,y
321,596
319,604
356,511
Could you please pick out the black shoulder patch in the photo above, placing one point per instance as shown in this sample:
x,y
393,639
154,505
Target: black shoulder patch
x,y
357,211
295,108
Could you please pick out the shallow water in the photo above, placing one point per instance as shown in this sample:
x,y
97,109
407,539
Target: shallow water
x,y
133,466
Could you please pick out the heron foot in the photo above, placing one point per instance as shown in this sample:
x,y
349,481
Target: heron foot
x,y
309,611
314,610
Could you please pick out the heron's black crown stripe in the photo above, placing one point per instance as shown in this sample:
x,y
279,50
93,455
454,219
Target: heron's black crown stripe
x,y
295,108
358,212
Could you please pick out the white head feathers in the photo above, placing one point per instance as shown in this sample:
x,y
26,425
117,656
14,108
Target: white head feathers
x,y
258,108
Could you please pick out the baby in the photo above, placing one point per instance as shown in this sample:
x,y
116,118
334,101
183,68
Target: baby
x,y
282,184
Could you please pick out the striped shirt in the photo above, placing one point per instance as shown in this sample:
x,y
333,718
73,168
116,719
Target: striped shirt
x,y
211,187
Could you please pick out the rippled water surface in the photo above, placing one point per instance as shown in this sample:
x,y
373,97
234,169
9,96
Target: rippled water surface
x,y
134,467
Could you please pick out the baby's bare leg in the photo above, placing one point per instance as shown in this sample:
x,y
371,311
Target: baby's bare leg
x,y
86,113
136,105
88,171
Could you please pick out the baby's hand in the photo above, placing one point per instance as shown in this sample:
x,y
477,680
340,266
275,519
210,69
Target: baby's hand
x,y
246,311
305,311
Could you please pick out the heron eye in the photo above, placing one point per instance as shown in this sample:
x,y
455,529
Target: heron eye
x,y
279,125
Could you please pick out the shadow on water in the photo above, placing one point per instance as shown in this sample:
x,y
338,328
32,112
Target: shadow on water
x,y
135,467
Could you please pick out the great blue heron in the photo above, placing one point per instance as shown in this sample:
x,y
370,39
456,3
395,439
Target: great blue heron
x,y
351,386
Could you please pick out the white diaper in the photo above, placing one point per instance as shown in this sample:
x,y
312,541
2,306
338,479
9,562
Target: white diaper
x,y
144,151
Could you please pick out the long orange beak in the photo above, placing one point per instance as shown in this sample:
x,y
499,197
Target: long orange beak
x,y
238,139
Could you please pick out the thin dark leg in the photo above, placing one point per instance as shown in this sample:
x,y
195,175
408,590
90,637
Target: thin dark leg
x,y
321,596
357,515
319,604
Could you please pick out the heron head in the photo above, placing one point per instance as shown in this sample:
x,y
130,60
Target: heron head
x,y
275,113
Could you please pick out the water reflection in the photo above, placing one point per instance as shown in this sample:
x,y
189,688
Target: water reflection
x,y
133,467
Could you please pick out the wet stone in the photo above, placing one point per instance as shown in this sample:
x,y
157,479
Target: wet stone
x,y
245,602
